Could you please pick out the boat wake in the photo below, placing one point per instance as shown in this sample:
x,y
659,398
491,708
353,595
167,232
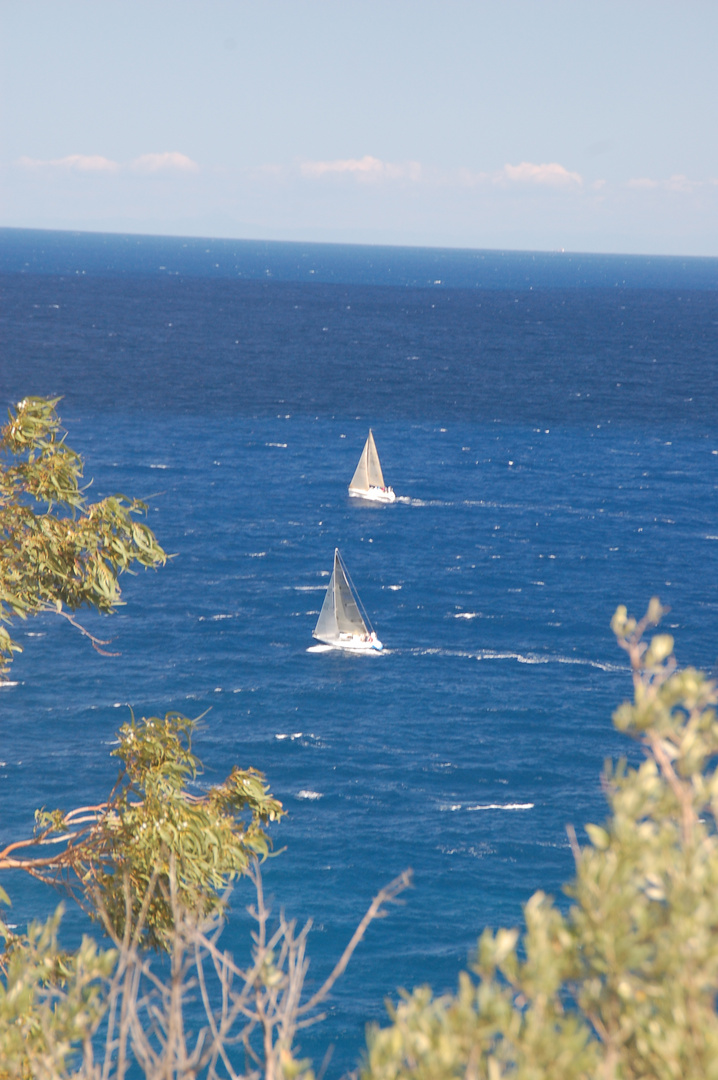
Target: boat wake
x,y
408,501
539,658
519,658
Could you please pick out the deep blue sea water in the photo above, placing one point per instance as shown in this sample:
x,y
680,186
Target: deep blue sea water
x,y
549,423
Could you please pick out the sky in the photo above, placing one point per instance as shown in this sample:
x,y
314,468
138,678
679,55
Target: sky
x,y
584,125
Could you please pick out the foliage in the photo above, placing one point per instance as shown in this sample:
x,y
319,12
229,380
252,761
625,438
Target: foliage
x,y
50,1002
624,985
97,1015
244,1020
58,552
116,855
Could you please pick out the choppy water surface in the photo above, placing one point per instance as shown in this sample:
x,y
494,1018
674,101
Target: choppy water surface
x,y
555,451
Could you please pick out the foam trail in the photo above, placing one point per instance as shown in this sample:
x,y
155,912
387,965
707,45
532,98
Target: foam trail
x,y
519,658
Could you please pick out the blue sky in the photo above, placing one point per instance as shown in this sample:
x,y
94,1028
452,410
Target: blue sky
x,y
587,125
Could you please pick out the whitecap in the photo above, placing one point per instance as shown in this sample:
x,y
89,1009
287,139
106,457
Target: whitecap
x,y
295,735
159,466
305,794
281,445
503,806
394,588
467,615
256,554
309,588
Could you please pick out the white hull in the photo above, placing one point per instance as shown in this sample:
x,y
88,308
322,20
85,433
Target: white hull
x,y
352,643
373,494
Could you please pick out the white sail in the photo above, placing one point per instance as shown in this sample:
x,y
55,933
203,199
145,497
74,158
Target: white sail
x,y
368,479
340,622
360,479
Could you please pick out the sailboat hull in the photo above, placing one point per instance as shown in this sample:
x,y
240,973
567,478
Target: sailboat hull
x,y
373,494
352,643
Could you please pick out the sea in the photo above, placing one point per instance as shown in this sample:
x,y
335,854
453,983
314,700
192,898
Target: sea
x,y
549,424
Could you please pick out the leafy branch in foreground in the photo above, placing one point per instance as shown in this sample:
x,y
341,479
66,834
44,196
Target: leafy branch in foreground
x,y
114,857
51,1002
96,1015
624,986
59,552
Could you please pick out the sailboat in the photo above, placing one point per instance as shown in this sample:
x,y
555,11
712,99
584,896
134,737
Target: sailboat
x,y
341,623
368,479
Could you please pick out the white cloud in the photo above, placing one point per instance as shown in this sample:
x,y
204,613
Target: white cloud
x,y
364,169
549,174
642,182
92,163
169,161
678,182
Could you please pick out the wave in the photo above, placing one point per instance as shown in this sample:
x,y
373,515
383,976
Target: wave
x,y
306,794
160,466
453,807
4,684
502,806
309,588
281,445
294,735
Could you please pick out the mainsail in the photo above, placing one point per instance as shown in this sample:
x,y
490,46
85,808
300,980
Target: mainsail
x,y
368,472
339,614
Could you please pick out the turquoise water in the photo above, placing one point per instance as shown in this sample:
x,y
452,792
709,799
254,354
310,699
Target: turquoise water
x,y
555,453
